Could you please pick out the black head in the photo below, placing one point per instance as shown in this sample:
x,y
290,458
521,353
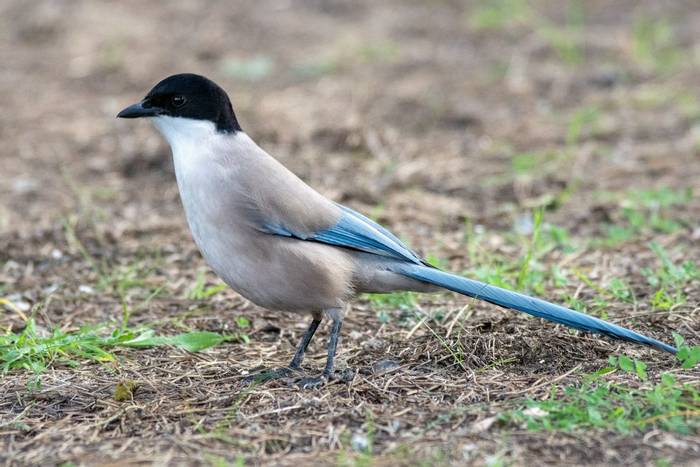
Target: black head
x,y
188,96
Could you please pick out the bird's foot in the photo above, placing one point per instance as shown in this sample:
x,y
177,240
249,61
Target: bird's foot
x,y
315,382
312,382
269,375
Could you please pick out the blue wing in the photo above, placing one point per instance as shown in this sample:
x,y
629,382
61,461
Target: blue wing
x,y
353,230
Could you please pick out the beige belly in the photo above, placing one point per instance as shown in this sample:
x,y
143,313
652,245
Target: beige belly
x,y
281,273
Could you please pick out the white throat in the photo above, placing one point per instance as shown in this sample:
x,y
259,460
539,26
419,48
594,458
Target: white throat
x,y
184,133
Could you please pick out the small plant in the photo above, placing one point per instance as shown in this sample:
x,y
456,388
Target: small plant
x,y
219,461
506,14
316,67
437,261
126,280
558,237
565,39
453,346
621,290
644,212
500,14
658,198
524,272
35,351
583,120
252,69
653,44
629,365
361,445
200,290
529,273
600,403
616,289
403,301
669,279
535,163
125,390
376,52
689,356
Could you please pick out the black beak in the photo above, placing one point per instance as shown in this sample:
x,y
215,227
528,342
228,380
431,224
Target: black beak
x,y
139,110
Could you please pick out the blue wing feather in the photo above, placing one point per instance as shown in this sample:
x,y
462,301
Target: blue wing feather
x,y
372,223
353,230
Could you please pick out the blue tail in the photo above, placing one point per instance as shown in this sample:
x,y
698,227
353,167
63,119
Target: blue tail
x,y
530,305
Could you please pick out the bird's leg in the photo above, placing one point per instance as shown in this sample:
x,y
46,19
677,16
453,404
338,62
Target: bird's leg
x,y
312,382
332,346
304,344
294,365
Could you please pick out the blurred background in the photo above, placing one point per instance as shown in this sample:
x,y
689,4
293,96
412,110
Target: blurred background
x,y
436,111
451,122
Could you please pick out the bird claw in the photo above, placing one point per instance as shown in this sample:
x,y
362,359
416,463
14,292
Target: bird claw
x,y
315,382
344,376
312,382
269,375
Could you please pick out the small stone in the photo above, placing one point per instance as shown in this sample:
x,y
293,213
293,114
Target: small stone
x,y
469,451
394,426
483,425
51,289
535,412
24,186
86,289
359,442
385,365
524,224
22,305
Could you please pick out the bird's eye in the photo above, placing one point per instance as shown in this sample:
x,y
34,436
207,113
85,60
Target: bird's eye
x,y
178,101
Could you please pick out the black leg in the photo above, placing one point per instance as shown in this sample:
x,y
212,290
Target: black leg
x,y
332,345
304,344
295,364
316,381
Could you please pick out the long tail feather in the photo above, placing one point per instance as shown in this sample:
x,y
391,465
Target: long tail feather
x,y
530,305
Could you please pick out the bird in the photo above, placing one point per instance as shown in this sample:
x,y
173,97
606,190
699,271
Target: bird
x,y
284,246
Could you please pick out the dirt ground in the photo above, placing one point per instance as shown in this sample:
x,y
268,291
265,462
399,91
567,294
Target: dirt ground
x,y
431,116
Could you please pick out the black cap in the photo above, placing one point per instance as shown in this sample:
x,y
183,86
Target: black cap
x,y
187,95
